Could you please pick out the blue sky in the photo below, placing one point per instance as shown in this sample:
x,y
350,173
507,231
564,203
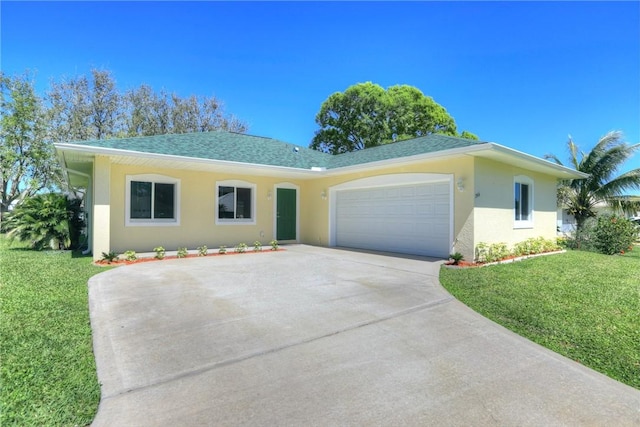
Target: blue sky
x,y
522,74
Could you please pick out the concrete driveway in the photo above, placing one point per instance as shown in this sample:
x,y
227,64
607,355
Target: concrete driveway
x,y
313,336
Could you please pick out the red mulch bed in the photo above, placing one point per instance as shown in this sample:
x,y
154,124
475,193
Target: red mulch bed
x,y
467,264
104,263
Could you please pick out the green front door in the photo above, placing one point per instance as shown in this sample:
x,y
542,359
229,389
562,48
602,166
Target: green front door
x,y
286,214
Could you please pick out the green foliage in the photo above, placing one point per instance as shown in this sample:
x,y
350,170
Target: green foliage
x,y
580,196
241,248
498,251
160,252
366,115
562,242
109,257
491,252
257,246
130,255
84,108
45,221
582,238
456,258
274,245
27,159
582,305
468,135
203,250
613,234
222,250
47,368
535,245
182,253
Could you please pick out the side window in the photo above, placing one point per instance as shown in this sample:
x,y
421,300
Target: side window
x,y
523,202
152,200
235,202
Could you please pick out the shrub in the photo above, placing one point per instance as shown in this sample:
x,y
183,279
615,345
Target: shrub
x,y
160,252
613,234
456,258
48,220
274,245
491,253
522,248
241,248
182,252
257,246
583,239
550,245
562,242
535,245
222,250
109,257
130,255
203,250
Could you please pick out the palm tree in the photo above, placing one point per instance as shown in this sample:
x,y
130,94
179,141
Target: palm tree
x,y
45,220
580,196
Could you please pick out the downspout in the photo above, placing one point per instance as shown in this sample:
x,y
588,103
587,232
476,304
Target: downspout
x,y
88,201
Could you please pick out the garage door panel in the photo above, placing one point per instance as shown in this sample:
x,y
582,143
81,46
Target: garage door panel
x,y
411,219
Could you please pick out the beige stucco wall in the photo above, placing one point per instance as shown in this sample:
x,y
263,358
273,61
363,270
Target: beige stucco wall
x,y
487,184
316,210
494,213
101,220
197,213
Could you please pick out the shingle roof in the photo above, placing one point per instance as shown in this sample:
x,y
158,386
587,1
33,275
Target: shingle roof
x,y
411,147
219,145
243,148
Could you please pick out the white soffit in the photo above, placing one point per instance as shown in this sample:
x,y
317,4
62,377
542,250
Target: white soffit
x,y
510,156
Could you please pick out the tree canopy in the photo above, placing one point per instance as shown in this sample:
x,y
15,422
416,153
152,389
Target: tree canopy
x,y
366,115
86,108
27,163
602,163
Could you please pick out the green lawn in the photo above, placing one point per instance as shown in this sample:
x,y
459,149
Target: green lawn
x,y
583,305
580,304
47,370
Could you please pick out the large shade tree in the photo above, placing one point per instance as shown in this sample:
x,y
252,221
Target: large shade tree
x,y
27,162
604,184
366,115
85,108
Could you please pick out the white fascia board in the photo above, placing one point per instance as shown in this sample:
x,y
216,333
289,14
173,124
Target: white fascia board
x,y
65,168
473,150
408,159
167,157
538,161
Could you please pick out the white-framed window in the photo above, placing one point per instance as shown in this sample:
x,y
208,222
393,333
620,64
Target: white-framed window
x,y
523,201
152,200
236,202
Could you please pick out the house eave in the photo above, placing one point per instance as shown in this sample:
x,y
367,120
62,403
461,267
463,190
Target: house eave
x,y
508,155
489,150
164,160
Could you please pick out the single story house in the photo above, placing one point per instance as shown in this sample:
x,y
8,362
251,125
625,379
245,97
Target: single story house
x,y
430,196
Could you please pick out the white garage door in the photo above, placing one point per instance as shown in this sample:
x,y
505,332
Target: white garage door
x,y
410,219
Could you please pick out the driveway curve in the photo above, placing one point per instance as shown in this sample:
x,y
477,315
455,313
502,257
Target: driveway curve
x,y
316,336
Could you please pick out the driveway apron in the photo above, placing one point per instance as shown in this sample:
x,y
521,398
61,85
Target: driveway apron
x,y
315,337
